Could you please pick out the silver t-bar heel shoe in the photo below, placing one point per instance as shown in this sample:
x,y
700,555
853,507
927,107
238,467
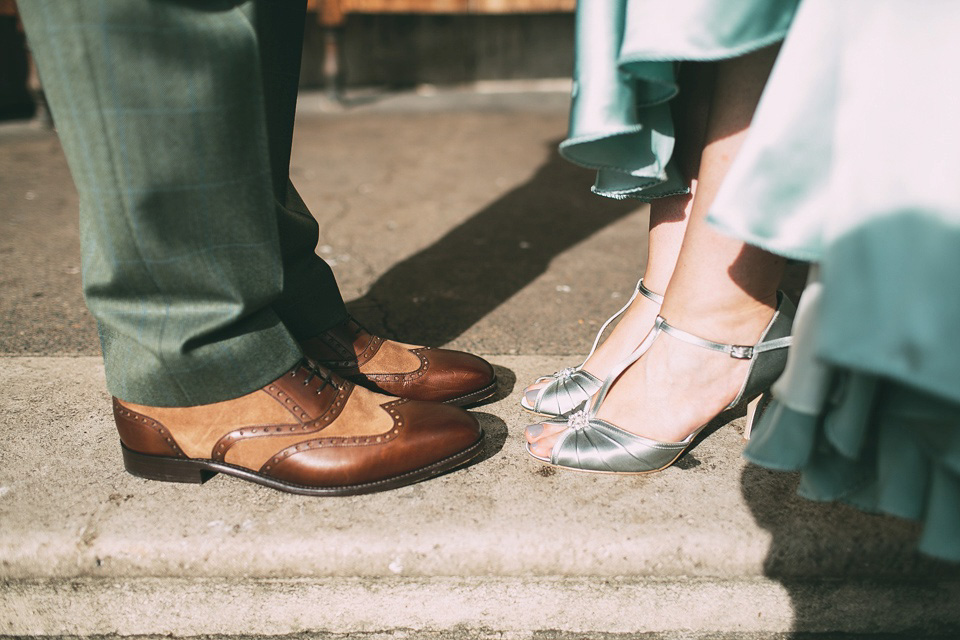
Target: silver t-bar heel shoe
x,y
571,387
598,446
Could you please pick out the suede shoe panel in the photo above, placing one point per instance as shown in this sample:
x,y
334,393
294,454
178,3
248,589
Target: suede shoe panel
x,y
196,429
254,452
391,358
363,416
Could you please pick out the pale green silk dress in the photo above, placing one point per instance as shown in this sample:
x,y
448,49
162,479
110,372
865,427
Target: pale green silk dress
x,y
852,163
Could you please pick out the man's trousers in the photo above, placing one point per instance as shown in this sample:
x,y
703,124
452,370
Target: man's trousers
x,y
176,118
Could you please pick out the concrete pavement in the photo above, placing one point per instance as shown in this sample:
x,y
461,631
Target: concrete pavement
x,y
483,230
504,545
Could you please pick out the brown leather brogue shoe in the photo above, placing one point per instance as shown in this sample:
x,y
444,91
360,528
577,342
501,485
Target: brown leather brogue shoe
x,y
402,370
308,432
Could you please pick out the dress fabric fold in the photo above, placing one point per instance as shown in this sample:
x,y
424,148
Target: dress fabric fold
x,y
625,74
851,164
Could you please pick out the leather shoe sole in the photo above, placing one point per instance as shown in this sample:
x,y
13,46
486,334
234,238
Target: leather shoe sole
x,y
475,397
199,471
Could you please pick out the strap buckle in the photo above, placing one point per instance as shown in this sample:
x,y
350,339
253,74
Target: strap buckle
x,y
741,352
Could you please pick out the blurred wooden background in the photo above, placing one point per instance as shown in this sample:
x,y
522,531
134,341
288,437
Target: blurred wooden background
x,y
387,43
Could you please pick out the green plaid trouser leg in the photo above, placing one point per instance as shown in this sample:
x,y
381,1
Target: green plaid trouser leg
x,y
198,254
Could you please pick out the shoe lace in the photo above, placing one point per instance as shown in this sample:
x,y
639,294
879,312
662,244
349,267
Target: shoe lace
x,y
314,370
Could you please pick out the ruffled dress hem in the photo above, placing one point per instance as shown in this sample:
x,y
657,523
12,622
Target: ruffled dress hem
x,y
714,55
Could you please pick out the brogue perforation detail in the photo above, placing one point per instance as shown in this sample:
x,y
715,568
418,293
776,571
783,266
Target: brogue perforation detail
x,y
157,427
344,441
260,431
353,361
369,351
404,377
289,402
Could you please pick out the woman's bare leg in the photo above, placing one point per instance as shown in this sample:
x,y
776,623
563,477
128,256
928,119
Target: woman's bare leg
x,y
720,289
668,221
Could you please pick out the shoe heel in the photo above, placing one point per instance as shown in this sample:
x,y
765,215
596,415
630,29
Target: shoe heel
x,y
754,410
163,468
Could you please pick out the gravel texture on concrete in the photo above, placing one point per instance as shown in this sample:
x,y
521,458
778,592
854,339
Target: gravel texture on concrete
x,y
76,513
41,305
470,608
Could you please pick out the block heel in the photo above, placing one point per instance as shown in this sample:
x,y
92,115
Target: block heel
x,y
164,468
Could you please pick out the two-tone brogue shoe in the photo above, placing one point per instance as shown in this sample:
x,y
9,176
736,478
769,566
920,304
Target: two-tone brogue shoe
x,y
402,370
308,432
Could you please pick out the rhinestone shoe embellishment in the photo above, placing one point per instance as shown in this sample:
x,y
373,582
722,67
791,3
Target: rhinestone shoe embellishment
x,y
578,420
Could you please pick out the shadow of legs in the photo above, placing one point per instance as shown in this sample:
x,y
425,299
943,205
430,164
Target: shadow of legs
x,y
435,295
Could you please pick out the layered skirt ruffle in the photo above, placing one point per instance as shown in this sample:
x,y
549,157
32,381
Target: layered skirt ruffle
x,y
872,442
626,74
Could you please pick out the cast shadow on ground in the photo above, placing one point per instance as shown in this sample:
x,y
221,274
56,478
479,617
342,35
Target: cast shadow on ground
x,y
829,558
496,430
506,381
494,427
687,459
435,295
496,437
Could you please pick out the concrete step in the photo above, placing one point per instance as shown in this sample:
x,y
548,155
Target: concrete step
x,y
505,548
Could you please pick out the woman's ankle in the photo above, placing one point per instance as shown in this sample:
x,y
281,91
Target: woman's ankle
x,y
737,321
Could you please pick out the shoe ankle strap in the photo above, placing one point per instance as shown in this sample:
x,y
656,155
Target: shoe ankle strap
x,y
741,352
649,295
660,325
